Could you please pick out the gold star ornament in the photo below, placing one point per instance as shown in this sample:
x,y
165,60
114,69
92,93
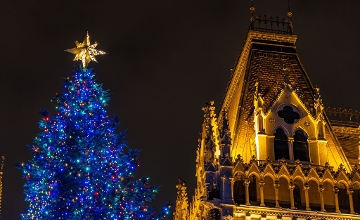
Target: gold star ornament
x,y
85,51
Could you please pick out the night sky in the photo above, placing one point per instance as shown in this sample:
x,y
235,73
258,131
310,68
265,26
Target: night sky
x,y
165,60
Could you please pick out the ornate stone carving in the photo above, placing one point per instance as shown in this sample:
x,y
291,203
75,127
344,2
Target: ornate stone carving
x,y
288,114
181,209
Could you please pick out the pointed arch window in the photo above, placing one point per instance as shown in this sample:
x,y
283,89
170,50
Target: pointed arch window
x,y
300,146
281,147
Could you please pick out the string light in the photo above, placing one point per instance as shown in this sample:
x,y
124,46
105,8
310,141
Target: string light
x,y
80,167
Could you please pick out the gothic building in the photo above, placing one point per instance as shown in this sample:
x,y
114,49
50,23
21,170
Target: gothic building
x,y
273,151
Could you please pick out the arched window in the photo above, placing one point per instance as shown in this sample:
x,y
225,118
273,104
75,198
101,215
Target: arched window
x,y
297,196
343,198
300,146
252,189
281,148
356,198
239,192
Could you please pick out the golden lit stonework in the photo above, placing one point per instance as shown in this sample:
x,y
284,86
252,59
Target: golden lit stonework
x,y
274,151
85,51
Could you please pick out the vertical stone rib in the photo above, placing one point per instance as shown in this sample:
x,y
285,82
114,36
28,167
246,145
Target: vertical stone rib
x,y
261,185
336,191
276,187
247,183
306,189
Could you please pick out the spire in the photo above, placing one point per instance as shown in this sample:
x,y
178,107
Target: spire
x,y
209,114
252,19
318,104
225,141
181,208
224,130
289,14
210,136
252,8
317,93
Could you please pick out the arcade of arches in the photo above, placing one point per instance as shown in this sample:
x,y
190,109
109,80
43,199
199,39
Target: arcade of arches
x,y
273,185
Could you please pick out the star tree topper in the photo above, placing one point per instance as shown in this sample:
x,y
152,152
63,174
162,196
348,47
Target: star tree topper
x,y
85,51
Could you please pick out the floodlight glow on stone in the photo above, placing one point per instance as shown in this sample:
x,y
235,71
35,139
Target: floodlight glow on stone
x,y
85,51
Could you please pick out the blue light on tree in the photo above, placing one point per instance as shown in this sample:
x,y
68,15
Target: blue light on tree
x,y
81,168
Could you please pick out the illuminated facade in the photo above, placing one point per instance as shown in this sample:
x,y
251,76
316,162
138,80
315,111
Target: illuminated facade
x,y
274,151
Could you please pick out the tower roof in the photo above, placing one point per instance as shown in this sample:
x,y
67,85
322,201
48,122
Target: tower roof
x,y
266,51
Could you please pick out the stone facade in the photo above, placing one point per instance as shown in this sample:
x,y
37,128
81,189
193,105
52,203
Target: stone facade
x,y
273,151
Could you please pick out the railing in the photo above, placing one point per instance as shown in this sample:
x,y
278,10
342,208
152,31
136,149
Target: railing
x,y
271,24
241,211
343,117
291,163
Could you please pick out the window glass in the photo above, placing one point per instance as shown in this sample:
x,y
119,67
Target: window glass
x,y
301,149
281,147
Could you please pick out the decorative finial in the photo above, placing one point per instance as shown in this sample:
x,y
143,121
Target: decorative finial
x,y
317,93
289,14
85,51
252,8
286,74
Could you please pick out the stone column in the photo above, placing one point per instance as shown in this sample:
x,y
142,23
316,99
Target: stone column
x,y
350,192
232,180
336,191
261,186
291,148
306,190
321,191
292,203
276,187
246,184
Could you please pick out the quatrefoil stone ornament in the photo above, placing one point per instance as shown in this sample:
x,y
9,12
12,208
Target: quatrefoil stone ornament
x,y
288,114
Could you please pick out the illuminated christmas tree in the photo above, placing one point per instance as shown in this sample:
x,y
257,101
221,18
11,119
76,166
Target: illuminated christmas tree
x,y
81,168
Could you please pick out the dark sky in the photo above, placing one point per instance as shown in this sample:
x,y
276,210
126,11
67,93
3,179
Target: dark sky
x,y
165,60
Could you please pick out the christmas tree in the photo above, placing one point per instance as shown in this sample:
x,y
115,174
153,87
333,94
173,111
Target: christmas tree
x,y
81,168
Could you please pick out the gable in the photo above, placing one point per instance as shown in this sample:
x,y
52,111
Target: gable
x,y
261,61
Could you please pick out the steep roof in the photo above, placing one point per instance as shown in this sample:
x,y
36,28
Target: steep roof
x,y
345,124
349,144
262,60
